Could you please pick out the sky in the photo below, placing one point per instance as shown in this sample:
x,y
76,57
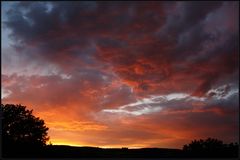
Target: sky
x,y
124,74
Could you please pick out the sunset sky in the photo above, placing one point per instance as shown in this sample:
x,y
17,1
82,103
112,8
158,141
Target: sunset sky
x,y
124,74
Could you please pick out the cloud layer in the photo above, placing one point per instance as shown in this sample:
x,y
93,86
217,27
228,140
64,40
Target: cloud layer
x,y
146,74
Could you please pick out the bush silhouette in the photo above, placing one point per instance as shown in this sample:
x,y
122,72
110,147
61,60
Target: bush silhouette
x,y
210,148
21,131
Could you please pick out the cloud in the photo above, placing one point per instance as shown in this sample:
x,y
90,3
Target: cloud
x,y
90,40
176,102
187,14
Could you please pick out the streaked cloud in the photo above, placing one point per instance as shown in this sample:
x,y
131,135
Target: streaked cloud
x,y
157,103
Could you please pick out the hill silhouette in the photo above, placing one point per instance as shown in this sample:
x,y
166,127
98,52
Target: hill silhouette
x,y
25,136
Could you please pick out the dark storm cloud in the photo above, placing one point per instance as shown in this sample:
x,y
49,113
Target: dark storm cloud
x,y
70,31
82,18
186,15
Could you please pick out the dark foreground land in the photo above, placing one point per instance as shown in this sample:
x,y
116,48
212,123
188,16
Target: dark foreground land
x,y
60,151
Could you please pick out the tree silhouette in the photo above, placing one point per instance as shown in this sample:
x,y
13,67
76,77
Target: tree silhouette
x,y
210,148
21,130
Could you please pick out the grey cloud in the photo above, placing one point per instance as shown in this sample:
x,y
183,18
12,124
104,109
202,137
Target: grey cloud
x,y
188,14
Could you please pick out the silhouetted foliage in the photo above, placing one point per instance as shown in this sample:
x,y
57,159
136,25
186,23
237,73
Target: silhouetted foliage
x,y
21,130
210,148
